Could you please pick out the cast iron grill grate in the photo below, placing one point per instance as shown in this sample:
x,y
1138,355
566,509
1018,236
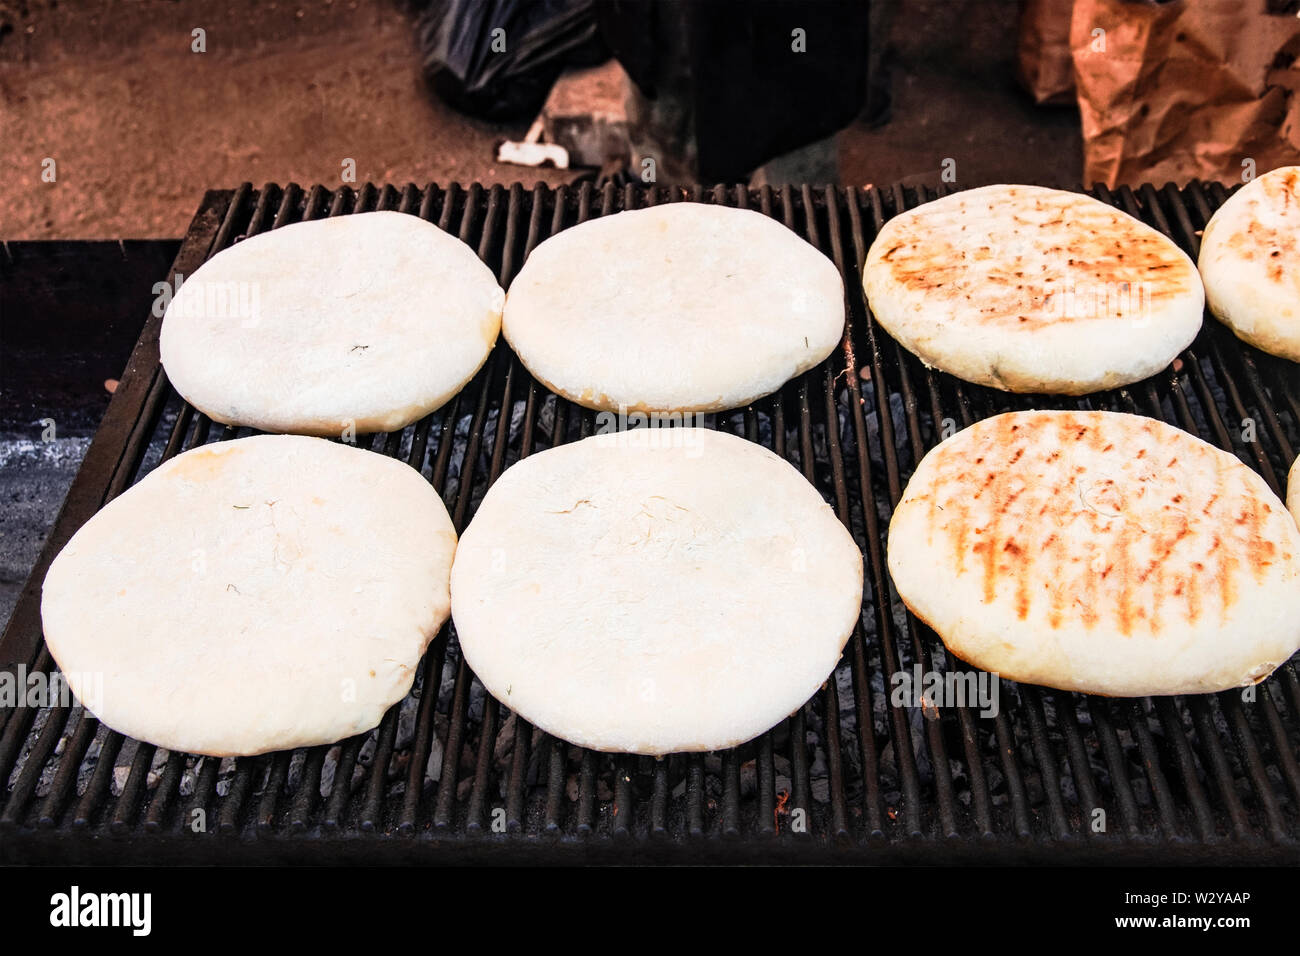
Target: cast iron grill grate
x,y
451,775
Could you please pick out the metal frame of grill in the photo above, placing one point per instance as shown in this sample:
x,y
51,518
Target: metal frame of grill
x,y
1206,779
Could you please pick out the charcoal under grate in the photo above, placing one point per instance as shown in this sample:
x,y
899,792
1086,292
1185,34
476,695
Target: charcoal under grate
x,y
854,775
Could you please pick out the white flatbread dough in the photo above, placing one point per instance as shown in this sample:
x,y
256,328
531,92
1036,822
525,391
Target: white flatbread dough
x,y
1028,289
365,322
645,594
252,595
683,307
1250,263
1099,552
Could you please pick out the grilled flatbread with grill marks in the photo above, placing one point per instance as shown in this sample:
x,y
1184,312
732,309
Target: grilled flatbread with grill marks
x,y
1028,289
1099,552
252,595
683,307
654,591
365,322
1250,263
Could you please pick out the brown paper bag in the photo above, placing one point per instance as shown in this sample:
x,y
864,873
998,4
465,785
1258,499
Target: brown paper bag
x,y
1043,51
1187,89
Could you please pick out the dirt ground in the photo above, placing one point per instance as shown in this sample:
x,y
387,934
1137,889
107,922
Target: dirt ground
x,y
138,125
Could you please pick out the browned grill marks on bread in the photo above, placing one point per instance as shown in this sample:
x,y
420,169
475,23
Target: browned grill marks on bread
x,y
1006,271
1247,261
1275,230
1065,514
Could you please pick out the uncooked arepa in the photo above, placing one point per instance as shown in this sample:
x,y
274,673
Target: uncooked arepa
x,y
654,591
352,324
1099,552
1028,289
1250,263
684,307
252,595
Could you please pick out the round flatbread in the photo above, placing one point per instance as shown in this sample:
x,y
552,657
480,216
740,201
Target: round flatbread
x,y
683,307
1099,552
655,591
1250,263
357,323
252,595
1028,289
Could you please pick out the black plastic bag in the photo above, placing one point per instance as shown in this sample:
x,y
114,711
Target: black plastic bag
x,y
465,65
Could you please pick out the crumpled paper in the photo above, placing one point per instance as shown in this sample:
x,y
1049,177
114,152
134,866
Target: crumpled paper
x,y
1043,58
1189,89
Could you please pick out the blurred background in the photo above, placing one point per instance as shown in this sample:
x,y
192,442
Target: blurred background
x,y
139,124
115,115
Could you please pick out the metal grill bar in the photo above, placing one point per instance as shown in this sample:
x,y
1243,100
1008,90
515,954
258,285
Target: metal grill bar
x,y
450,773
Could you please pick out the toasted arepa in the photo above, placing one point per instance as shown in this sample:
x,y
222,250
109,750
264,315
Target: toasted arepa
x,y
1028,289
1250,263
1099,552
